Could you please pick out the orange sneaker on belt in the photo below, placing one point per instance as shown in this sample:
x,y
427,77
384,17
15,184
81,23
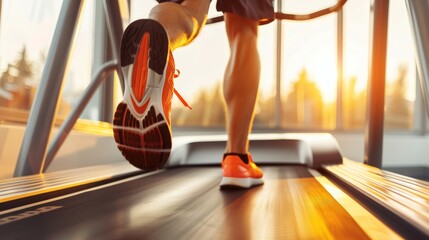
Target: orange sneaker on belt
x,y
141,123
239,170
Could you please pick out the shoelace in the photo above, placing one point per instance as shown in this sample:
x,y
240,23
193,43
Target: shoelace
x,y
176,75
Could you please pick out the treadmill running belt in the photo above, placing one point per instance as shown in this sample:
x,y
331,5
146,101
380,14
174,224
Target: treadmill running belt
x,y
187,203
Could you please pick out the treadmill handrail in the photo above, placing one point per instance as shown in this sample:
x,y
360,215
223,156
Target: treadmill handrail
x,y
33,157
296,17
98,78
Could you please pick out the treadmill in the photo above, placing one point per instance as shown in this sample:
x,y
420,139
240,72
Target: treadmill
x,y
311,190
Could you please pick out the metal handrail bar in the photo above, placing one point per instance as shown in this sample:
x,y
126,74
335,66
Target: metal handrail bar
x,y
34,158
302,17
43,111
114,28
98,78
374,127
296,17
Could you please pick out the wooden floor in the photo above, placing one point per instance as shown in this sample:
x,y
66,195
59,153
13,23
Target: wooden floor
x,y
186,203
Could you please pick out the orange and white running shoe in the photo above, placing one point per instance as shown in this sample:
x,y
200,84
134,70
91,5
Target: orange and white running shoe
x,y
141,124
239,170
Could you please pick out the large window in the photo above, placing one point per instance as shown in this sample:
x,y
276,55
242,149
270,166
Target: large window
x,y
400,70
308,83
309,69
202,65
308,86
25,37
356,58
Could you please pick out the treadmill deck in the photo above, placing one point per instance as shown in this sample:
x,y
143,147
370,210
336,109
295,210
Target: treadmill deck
x,y
187,203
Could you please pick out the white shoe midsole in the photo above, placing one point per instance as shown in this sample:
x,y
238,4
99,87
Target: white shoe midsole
x,y
241,182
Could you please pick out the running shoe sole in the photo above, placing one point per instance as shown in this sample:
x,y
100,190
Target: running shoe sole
x,y
230,182
140,128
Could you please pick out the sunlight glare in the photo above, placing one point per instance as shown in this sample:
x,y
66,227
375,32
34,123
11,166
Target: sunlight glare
x,y
323,71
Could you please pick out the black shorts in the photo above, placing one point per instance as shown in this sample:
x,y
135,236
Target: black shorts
x,y
261,10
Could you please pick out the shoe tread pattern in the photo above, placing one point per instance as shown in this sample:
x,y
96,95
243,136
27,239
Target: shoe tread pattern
x,y
147,150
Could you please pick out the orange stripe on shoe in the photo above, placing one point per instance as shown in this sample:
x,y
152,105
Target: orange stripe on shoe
x,y
140,69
